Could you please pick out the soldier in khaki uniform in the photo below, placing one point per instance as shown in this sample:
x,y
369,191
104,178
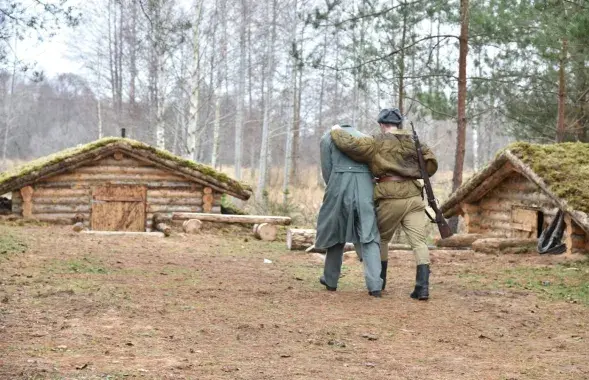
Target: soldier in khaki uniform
x,y
392,159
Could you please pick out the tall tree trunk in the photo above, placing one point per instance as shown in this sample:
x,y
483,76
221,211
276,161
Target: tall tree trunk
x,y
560,126
8,103
241,91
296,141
99,112
160,126
320,126
402,61
461,130
195,86
120,48
292,151
133,69
264,150
221,76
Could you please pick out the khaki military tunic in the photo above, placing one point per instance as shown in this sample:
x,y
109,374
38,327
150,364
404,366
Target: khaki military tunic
x,y
398,203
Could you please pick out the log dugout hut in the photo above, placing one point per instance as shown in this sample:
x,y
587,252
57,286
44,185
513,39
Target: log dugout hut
x,y
518,194
115,184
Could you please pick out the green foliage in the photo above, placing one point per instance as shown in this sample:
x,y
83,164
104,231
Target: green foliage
x,y
564,167
437,105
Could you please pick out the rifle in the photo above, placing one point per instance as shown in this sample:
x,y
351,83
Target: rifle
x,y
443,226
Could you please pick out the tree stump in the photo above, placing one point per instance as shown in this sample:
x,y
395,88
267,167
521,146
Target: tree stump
x,y
265,231
163,227
299,239
192,226
78,227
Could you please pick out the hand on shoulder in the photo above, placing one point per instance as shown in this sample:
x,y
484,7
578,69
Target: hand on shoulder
x,y
336,126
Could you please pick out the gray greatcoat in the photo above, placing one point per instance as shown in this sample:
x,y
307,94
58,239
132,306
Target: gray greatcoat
x,y
347,213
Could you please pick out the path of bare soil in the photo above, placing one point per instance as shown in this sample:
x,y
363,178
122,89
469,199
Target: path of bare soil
x,y
208,307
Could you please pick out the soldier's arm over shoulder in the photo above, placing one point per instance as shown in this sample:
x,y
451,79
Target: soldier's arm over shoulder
x,y
360,149
325,152
431,163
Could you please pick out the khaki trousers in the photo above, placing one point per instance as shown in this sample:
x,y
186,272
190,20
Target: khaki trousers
x,y
409,215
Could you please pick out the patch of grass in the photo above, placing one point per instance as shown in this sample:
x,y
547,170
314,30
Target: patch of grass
x,y
10,244
569,282
83,265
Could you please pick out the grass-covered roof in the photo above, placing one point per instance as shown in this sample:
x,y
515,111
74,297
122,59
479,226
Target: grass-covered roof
x,y
564,168
45,166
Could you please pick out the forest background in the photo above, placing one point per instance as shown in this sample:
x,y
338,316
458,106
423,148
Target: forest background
x,y
249,87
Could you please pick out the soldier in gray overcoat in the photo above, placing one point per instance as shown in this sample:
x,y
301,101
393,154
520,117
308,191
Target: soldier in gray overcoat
x,y
347,215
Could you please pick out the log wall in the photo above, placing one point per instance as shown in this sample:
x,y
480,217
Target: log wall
x,y
67,196
510,210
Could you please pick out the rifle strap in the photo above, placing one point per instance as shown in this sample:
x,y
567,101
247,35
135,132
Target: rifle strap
x,y
429,216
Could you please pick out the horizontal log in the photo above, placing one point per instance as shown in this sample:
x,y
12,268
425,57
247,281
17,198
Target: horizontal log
x,y
89,184
60,208
458,240
124,233
504,216
498,245
107,177
529,198
121,170
493,204
508,226
41,192
84,199
519,183
171,193
247,219
128,162
63,216
151,208
175,201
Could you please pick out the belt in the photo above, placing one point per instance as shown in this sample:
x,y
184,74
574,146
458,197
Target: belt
x,y
392,178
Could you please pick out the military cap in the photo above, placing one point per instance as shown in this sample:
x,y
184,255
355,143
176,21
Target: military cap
x,y
390,116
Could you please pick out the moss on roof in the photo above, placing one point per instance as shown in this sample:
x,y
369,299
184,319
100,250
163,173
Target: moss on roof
x,y
35,165
563,167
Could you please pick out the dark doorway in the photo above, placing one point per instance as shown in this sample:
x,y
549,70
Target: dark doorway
x,y
540,223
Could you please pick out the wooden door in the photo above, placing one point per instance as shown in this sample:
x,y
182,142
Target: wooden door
x,y
118,208
524,222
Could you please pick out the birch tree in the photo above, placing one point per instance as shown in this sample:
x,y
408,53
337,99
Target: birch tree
x,y
193,128
263,168
239,119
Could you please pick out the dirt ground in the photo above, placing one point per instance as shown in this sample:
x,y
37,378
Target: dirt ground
x,y
209,307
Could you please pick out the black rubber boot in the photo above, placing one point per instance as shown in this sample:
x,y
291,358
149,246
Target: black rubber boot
x,y
375,293
383,273
322,282
421,291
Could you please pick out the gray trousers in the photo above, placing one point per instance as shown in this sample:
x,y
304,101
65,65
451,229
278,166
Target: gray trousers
x,y
370,253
